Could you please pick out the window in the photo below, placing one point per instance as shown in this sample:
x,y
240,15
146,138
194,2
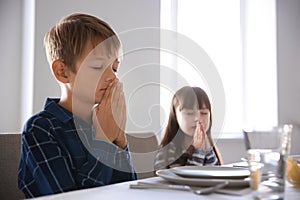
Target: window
x,y
240,39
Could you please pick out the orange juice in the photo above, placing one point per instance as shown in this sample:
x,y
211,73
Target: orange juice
x,y
293,170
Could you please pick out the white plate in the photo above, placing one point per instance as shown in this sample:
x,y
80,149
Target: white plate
x,y
211,172
170,176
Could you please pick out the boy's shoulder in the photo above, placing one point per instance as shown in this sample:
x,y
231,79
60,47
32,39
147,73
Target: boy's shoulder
x,y
50,116
41,119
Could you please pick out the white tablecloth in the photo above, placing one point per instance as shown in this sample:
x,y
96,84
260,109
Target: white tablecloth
x,y
122,191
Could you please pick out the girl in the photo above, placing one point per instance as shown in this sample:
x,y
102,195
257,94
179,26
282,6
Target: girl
x,y
187,139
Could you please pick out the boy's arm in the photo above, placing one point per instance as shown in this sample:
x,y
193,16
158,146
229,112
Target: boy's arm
x,y
110,155
47,167
43,167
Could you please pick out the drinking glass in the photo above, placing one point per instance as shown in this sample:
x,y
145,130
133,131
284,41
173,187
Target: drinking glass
x,y
293,170
267,152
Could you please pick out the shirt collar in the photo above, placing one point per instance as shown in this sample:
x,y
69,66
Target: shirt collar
x,y
59,112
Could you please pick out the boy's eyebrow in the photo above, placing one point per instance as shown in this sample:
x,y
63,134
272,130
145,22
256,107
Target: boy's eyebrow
x,y
102,56
100,61
97,58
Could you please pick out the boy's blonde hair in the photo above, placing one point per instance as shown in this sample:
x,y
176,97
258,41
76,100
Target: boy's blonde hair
x,y
68,39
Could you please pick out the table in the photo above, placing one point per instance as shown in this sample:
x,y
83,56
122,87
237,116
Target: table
x,y
122,191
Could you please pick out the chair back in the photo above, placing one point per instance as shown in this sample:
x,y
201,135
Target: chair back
x,y
143,148
10,144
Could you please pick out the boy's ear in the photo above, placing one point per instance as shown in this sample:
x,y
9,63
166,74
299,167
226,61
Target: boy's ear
x,y
60,71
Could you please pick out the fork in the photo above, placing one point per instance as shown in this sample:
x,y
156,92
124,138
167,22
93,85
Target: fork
x,y
207,190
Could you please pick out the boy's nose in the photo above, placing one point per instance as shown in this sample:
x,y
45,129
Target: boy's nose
x,y
109,74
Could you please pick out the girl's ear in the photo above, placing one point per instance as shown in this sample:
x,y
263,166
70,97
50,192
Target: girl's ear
x,y
60,71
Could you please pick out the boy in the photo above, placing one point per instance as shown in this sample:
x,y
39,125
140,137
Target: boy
x,y
78,140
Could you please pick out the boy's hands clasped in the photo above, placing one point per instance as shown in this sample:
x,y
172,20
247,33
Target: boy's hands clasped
x,y
109,117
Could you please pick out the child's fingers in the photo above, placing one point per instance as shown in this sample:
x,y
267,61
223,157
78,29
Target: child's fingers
x,y
108,93
115,101
123,116
198,136
202,130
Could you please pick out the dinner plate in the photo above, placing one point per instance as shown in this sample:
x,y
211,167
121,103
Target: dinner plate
x,y
211,172
170,176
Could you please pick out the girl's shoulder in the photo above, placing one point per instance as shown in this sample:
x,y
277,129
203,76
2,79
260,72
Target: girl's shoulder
x,y
169,146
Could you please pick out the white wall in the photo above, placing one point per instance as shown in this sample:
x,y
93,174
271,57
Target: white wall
x,y
10,64
288,55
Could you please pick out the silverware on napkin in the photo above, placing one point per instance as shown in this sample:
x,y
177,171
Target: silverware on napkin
x,y
198,191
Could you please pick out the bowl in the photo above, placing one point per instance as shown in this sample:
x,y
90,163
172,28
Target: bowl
x,y
293,170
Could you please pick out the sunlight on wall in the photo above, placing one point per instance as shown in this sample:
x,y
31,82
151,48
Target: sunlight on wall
x,y
260,66
27,60
240,38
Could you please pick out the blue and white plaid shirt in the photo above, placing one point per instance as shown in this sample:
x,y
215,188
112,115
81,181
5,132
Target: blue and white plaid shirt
x,y
59,153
